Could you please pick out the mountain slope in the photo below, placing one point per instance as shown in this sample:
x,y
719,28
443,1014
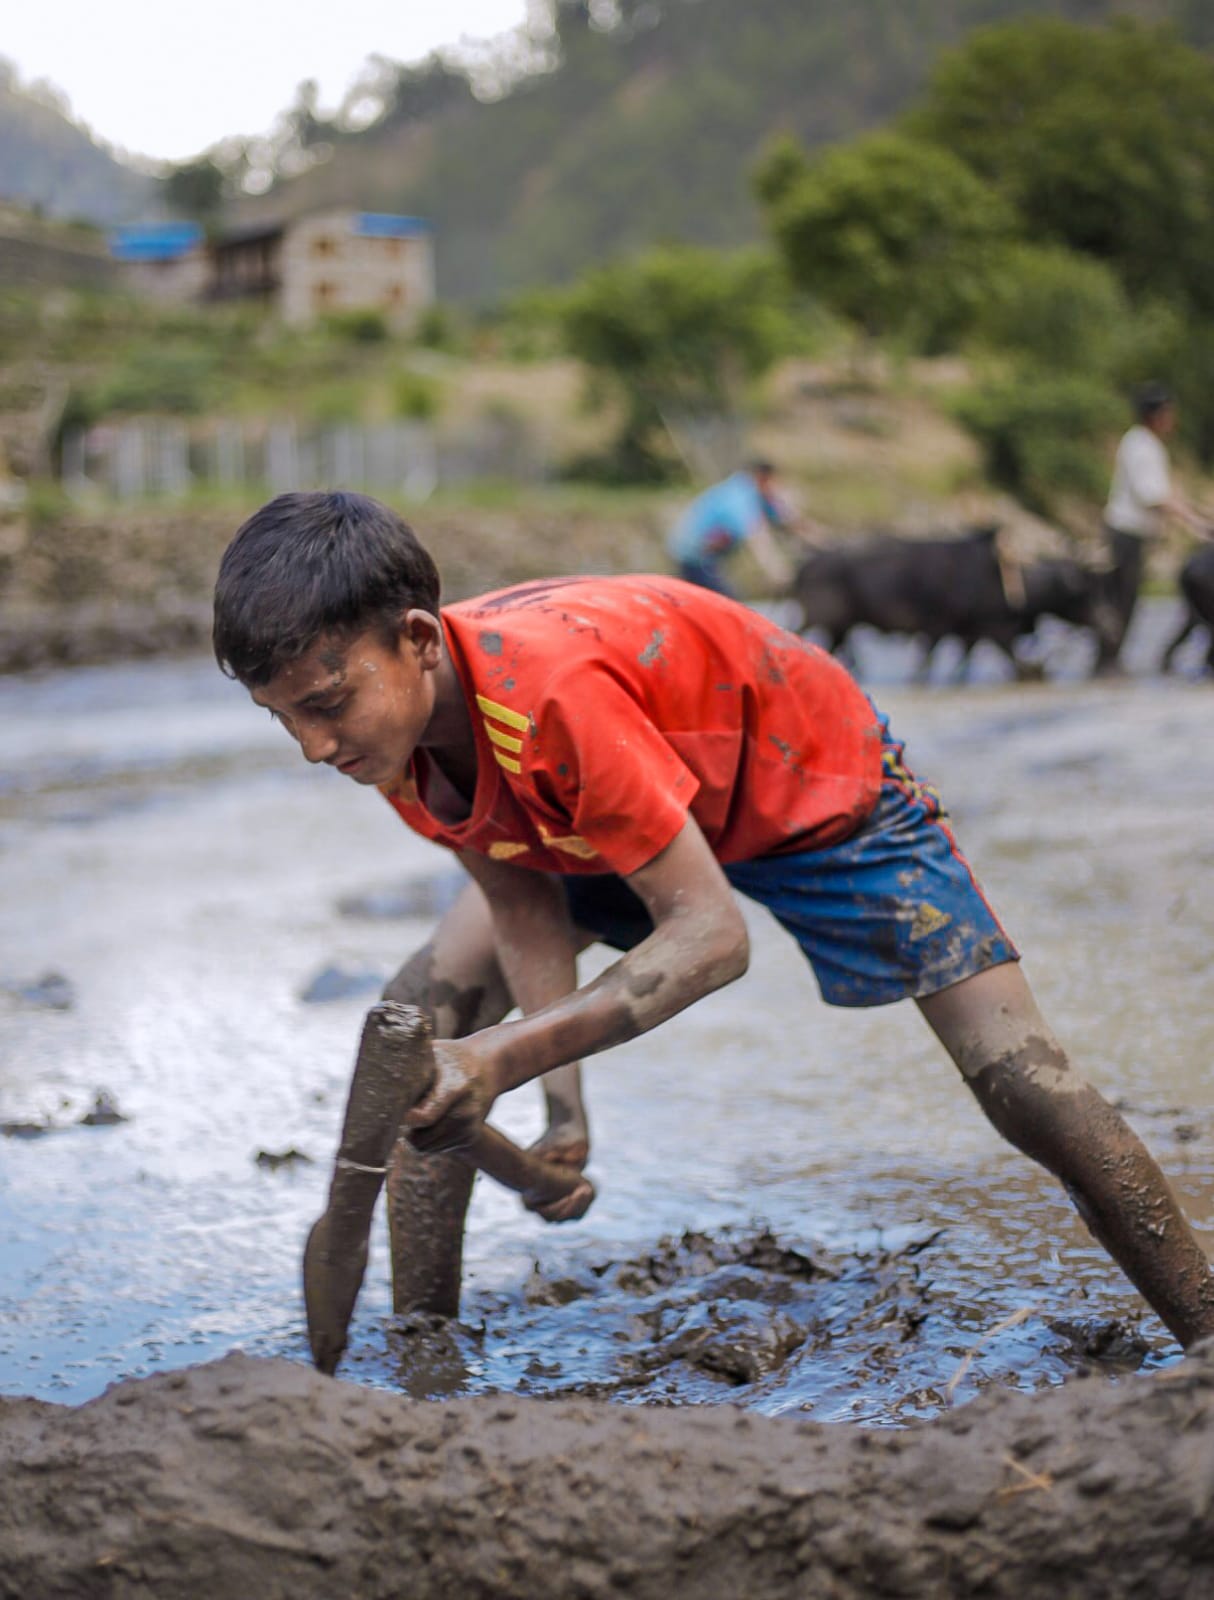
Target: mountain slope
x,y
643,132
53,165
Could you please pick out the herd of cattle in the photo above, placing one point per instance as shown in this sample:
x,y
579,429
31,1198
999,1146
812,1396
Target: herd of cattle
x,y
967,589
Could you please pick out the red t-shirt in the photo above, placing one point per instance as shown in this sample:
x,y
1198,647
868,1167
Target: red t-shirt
x,y
606,709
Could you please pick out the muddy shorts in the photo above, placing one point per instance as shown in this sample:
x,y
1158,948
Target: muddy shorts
x,y
892,912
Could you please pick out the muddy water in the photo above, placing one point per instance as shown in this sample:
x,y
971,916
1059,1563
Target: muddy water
x,y
799,1208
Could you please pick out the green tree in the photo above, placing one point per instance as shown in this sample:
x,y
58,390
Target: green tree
x,y
306,127
1056,308
196,189
895,234
676,332
1043,433
1165,341
1101,139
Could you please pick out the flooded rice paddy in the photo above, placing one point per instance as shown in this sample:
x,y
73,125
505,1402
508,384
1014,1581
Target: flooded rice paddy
x,y
800,1209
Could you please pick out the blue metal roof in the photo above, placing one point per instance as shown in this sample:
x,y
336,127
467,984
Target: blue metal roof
x,y
155,241
383,225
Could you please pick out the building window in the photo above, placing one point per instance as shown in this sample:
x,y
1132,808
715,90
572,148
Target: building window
x,y
394,296
324,295
324,246
394,249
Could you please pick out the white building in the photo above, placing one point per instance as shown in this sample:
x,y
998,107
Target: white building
x,y
323,262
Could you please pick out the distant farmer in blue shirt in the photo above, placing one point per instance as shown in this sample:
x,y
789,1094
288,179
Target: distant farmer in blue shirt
x,y
742,509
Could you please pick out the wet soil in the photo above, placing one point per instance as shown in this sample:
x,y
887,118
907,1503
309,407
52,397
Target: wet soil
x,y
247,1477
745,1317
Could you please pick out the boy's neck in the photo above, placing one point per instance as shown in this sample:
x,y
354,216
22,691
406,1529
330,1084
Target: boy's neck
x,y
449,739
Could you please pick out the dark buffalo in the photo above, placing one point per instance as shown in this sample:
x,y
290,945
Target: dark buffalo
x,y
950,588
1197,588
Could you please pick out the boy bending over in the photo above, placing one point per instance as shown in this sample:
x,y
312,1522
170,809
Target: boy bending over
x,y
610,758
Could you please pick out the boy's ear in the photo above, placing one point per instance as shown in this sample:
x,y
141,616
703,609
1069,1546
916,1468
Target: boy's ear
x,y
424,632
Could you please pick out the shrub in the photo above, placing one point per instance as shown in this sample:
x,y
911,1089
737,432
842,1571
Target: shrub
x,y
337,403
415,396
365,326
675,333
439,328
171,378
1163,342
1060,310
1043,433
46,505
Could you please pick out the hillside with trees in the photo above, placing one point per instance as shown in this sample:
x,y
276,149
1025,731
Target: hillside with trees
x,y
1047,206
637,122
618,125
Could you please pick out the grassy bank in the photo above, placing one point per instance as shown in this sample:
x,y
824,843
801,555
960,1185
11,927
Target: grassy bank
x,y
106,584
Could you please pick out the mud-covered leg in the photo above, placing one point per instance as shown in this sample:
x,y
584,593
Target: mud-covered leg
x,y
1021,1077
456,980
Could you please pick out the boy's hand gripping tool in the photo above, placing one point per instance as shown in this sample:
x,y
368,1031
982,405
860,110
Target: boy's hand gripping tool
x,y
393,1071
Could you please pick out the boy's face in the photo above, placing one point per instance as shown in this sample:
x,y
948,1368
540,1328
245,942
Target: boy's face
x,y
360,705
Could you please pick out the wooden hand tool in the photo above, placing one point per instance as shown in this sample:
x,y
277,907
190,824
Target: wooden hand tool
x,y
393,1071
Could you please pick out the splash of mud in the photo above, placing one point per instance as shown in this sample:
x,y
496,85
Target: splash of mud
x,y
745,1317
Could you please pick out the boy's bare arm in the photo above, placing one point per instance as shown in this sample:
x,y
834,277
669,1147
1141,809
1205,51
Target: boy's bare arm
x,y
533,935
537,948
699,943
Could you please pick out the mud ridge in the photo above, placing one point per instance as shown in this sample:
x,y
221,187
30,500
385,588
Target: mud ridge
x,y
261,1477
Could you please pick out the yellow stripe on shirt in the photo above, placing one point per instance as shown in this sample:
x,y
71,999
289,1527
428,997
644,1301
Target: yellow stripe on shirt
x,y
500,713
504,741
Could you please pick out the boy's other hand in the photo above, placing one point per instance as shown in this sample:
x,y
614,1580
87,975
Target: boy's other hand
x,y
459,1100
566,1143
567,1137
569,1209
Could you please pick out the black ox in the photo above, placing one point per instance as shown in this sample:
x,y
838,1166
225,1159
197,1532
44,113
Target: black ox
x,y
948,588
1197,588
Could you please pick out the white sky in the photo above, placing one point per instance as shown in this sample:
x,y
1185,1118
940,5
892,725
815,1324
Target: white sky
x,y
168,78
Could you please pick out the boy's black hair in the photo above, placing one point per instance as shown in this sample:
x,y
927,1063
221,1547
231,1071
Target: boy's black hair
x,y
313,564
760,467
1150,399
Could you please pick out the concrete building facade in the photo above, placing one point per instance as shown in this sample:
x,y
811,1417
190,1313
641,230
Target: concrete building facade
x,y
355,261
319,264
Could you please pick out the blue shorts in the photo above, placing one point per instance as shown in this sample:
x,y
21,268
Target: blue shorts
x,y
892,912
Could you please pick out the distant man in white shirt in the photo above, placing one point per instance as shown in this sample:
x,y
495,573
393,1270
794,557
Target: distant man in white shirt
x,y
1141,499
